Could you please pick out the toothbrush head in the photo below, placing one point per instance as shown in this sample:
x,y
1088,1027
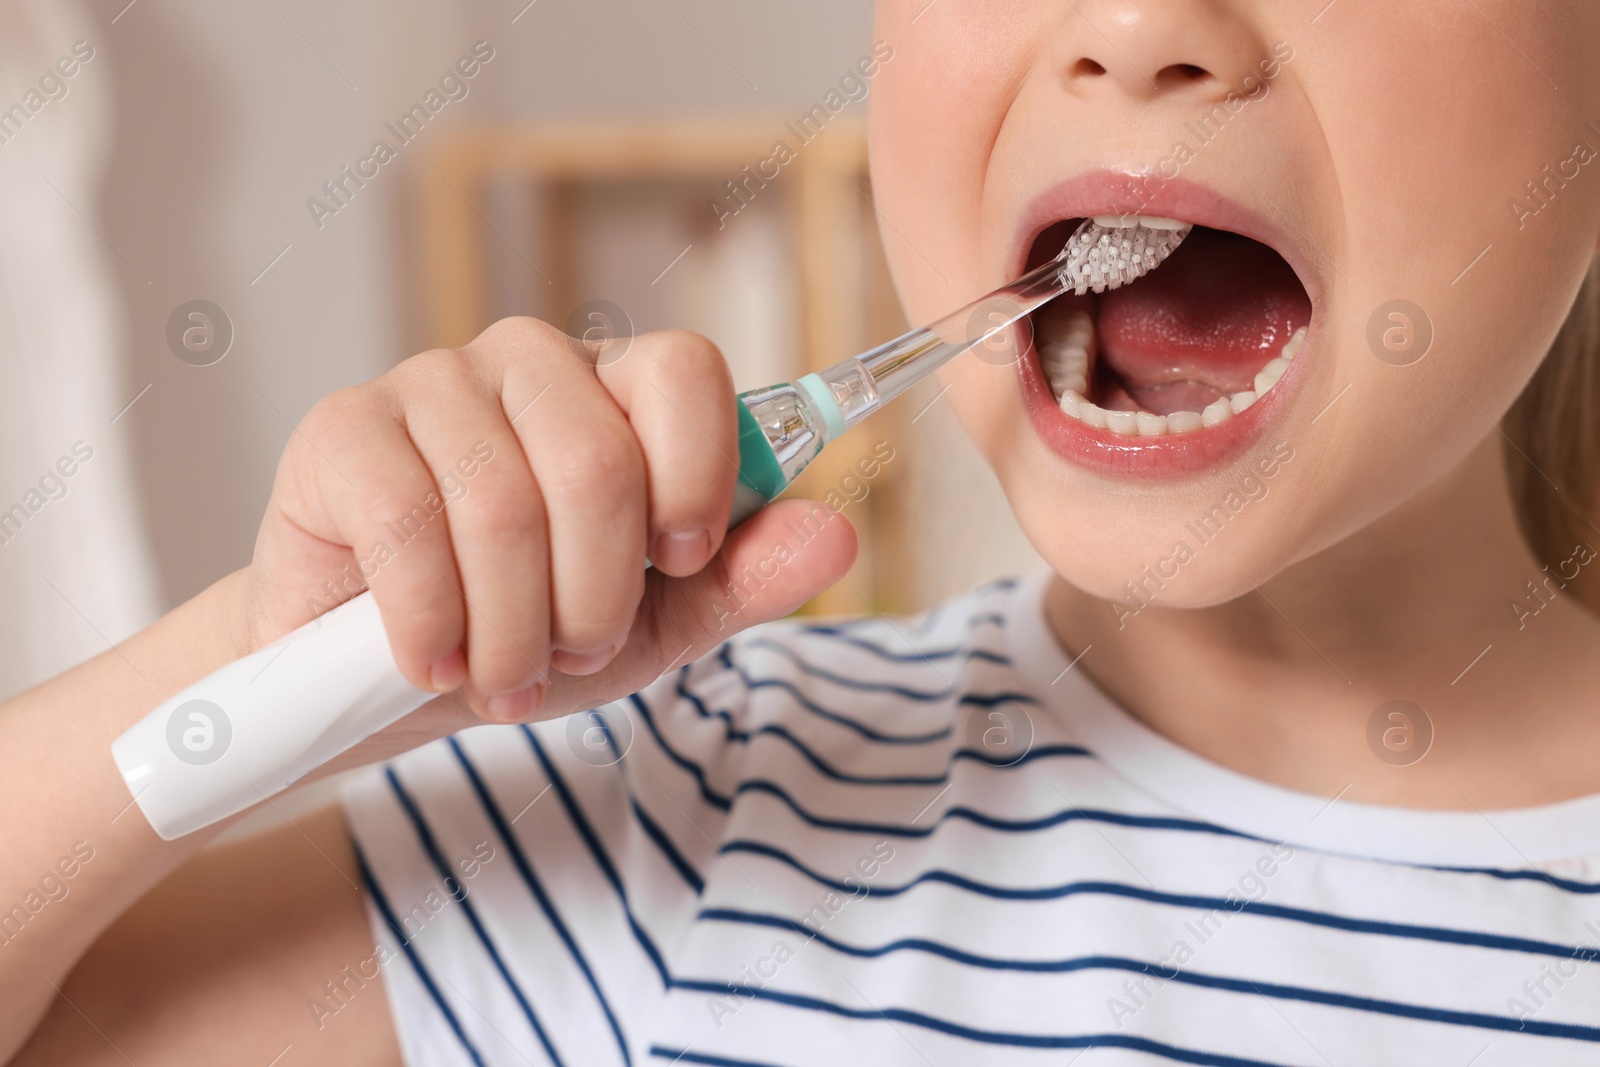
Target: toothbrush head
x,y
1108,251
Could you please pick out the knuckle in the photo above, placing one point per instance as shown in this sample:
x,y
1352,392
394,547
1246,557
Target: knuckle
x,y
501,670
607,473
682,504
335,415
701,622
437,371
411,507
422,626
519,335
335,434
507,647
594,626
426,627
508,514
693,355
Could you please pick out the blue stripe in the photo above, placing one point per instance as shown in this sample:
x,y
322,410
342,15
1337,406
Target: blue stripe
x,y
1206,981
988,822
655,833
590,839
990,700
458,893
689,1056
847,630
734,734
651,828
1439,934
987,1037
520,860
920,695
375,891
1551,880
805,702
724,802
976,755
836,635
972,700
710,796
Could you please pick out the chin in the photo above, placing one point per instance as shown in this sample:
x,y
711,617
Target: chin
x,y
1166,560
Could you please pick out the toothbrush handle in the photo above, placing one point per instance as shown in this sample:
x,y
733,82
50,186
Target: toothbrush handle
x,y
257,725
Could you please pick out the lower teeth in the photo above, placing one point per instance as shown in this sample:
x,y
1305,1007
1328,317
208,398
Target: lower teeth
x,y
1065,362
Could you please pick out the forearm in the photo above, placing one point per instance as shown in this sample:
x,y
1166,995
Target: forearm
x,y
77,852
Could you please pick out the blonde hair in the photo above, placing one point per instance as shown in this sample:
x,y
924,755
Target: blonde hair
x,y
1553,435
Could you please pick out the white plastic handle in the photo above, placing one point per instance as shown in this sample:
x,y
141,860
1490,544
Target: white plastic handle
x,y
256,726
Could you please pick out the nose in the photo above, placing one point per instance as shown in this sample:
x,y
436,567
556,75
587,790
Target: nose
x,y
1147,49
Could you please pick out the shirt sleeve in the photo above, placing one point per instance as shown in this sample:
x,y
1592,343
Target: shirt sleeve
x,y
527,885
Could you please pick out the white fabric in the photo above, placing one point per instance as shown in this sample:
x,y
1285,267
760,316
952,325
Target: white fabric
x,y
930,842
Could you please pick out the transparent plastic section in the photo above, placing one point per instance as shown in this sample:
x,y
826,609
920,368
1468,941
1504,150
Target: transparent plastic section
x,y
864,384
853,389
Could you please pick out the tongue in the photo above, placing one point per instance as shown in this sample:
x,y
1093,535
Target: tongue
x,y
1200,326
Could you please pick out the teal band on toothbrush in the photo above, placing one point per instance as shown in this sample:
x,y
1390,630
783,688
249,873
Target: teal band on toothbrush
x,y
819,392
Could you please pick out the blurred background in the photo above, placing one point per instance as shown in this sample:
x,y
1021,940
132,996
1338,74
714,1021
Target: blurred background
x,y
228,153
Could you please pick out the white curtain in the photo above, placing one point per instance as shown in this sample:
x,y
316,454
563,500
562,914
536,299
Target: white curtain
x,y
75,570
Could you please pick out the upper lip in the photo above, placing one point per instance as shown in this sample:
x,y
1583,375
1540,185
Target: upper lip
x,y
1114,192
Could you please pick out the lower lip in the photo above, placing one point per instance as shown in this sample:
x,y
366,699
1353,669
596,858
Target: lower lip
x,y
1166,456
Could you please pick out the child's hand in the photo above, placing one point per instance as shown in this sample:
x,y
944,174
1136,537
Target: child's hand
x,y
500,501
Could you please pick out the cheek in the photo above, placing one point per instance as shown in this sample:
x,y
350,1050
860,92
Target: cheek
x,y
934,114
1433,165
986,401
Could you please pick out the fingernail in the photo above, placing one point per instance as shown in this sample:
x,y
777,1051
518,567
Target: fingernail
x,y
681,550
517,706
579,663
448,672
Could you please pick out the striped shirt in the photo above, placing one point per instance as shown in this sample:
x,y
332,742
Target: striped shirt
x,y
932,841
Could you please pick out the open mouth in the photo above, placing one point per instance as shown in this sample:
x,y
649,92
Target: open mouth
x,y
1182,351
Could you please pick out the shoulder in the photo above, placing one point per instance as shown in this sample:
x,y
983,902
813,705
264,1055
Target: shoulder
x,y
968,627
895,655
883,681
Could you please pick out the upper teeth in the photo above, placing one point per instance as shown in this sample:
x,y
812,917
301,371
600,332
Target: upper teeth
x,y
1065,360
1154,222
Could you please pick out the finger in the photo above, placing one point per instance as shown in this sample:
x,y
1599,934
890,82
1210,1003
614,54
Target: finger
x,y
591,475
496,522
768,566
678,395
370,490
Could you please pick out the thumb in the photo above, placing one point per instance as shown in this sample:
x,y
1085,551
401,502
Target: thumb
x,y
771,564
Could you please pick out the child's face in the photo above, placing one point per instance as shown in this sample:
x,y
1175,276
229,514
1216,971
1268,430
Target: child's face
x,y
1378,154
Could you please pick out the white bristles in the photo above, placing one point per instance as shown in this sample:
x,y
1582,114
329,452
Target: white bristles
x,y
1107,252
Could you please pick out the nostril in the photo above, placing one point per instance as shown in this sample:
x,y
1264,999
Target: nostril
x,y
1178,75
1087,68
